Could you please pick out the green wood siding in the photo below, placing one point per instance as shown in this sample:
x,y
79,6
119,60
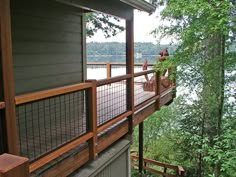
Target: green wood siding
x,y
119,167
113,162
47,45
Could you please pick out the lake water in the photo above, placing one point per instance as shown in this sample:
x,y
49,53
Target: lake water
x,y
121,58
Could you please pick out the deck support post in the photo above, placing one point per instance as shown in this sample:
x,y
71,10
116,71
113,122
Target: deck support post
x,y
140,150
92,118
7,76
130,69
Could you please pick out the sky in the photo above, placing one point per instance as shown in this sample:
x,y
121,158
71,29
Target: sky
x,y
143,25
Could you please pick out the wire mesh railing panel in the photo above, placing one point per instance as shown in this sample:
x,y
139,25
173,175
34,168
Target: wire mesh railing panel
x,y
111,101
142,94
96,71
49,123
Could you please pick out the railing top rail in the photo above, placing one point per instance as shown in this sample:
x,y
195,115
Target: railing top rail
x,y
117,63
57,152
2,104
154,162
29,97
159,172
140,73
96,63
113,79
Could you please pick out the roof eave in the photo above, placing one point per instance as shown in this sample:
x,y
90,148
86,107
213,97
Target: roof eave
x,y
141,5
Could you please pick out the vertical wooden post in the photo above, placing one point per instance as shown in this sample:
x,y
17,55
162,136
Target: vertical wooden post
x,y
92,118
1,77
145,165
11,166
174,70
83,46
158,89
7,73
140,151
130,68
165,169
108,66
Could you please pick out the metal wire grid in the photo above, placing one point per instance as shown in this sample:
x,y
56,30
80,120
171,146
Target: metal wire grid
x,y
139,94
49,123
111,101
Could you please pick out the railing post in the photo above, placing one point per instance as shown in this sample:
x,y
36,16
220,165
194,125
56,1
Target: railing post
x,y
145,165
13,166
140,150
173,71
108,67
164,171
130,69
7,76
92,117
158,89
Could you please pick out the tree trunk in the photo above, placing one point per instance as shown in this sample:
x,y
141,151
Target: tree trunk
x,y
213,89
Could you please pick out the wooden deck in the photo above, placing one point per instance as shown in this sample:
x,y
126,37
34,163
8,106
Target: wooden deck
x,y
40,130
53,122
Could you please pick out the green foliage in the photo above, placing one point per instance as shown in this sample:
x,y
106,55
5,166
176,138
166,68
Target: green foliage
x,y
109,25
105,48
118,48
223,151
163,65
112,49
202,135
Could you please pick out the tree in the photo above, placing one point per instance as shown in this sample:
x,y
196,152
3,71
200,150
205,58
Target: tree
x,y
204,29
109,25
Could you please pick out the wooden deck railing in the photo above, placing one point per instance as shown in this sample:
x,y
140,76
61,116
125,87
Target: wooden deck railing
x,y
42,137
112,101
52,122
110,67
154,167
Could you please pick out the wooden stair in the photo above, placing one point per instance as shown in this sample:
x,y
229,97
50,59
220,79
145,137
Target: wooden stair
x,y
157,167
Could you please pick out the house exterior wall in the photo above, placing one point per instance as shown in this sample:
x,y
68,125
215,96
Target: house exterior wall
x,y
114,162
48,52
47,45
117,168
